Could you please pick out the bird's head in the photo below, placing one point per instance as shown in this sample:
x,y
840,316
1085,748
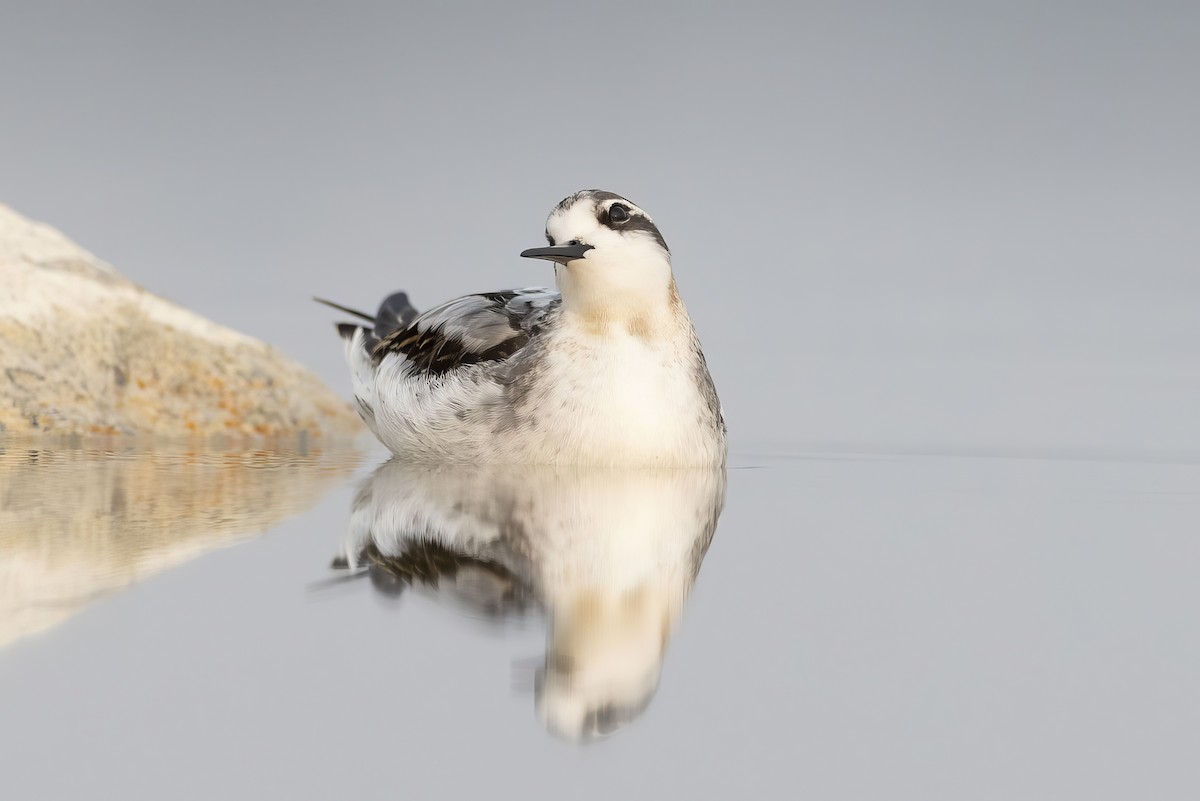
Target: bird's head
x,y
609,254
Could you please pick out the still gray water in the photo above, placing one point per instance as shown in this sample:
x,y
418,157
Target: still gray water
x,y
319,624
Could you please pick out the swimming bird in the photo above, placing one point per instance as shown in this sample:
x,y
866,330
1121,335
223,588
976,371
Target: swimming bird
x,y
605,370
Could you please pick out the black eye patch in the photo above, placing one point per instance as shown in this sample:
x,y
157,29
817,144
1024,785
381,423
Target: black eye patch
x,y
618,215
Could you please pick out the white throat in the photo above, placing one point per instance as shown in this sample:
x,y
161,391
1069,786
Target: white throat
x,y
638,296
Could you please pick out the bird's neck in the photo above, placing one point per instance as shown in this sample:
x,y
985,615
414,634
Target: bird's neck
x,y
641,302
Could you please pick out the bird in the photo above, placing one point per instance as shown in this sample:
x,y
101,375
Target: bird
x,y
605,369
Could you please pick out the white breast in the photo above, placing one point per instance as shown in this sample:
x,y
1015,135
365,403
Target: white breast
x,y
623,399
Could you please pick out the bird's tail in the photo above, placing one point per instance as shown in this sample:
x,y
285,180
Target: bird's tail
x,y
394,313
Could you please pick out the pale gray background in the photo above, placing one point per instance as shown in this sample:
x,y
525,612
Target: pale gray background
x,y
958,229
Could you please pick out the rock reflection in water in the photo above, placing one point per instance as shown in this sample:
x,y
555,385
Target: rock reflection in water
x,y
610,556
78,524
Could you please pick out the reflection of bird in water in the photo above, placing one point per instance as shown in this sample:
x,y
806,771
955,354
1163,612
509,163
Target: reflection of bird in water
x,y
607,370
609,554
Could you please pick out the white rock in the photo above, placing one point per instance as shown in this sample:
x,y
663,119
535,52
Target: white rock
x,y
85,351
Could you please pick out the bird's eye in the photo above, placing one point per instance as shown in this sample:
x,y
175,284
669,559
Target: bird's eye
x,y
618,213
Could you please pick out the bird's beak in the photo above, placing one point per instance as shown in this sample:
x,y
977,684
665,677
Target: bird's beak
x,y
559,253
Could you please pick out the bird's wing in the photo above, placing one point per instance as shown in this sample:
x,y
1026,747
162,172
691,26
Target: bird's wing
x,y
474,328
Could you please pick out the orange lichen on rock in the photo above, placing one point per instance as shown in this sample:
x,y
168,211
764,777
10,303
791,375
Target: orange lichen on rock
x,y
85,351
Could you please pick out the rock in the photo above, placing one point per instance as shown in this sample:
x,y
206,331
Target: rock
x,y
84,351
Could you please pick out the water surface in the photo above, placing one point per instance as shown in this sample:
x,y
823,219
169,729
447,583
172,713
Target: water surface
x,y
840,625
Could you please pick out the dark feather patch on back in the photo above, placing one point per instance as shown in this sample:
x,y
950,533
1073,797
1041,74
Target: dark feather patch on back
x,y
469,330
435,355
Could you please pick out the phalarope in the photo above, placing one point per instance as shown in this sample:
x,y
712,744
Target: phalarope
x,y
607,370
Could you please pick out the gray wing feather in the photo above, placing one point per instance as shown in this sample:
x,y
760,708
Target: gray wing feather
x,y
470,330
